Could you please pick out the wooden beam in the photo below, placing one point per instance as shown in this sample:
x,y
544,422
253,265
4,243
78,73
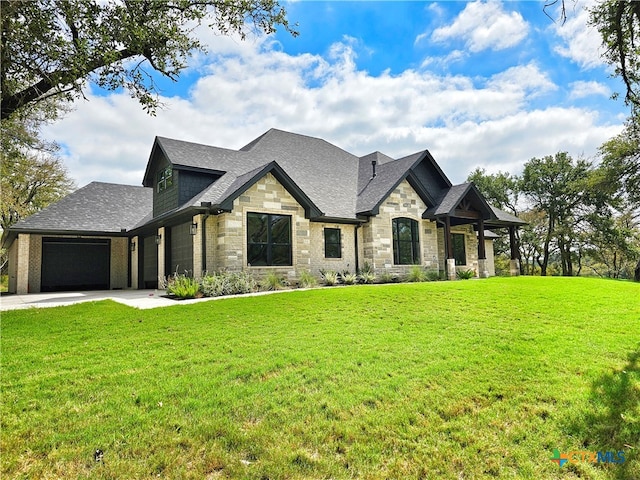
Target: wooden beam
x,y
448,242
512,242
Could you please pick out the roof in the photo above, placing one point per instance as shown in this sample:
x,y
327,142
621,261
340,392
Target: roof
x,y
329,182
97,207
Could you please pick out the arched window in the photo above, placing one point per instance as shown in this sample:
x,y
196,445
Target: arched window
x,y
406,241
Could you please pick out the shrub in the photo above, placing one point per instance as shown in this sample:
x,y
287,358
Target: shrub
x,y
366,268
227,283
465,274
182,286
273,281
388,277
329,277
367,277
416,274
433,275
307,280
349,278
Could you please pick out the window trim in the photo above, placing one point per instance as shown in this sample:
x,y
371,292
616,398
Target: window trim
x,y
164,179
269,244
414,242
333,244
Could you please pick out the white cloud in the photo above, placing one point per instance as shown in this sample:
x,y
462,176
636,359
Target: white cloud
x,y
581,42
583,89
527,80
465,122
485,26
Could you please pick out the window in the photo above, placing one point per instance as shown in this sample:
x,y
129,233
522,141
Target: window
x,y
406,242
165,178
268,239
332,246
459,252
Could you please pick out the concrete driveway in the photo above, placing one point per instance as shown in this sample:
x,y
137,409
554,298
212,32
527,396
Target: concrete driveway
x,y
142,299
133,298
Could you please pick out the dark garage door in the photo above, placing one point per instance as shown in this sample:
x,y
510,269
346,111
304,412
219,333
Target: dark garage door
x,y
75,264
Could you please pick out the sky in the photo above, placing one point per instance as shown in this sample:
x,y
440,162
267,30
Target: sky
x,y
483,84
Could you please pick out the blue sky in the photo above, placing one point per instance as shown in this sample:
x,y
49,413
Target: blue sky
x,y
484,84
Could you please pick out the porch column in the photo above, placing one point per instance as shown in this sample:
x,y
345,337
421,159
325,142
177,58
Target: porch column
x,y
451,262
198,266
483,272
22,272
514,264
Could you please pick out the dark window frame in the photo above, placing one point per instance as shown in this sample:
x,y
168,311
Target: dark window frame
x,y
458,242
405,252
332,249
269,251
165,179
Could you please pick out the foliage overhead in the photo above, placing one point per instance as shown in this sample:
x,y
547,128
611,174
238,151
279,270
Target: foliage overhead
x,y
618,22
51,47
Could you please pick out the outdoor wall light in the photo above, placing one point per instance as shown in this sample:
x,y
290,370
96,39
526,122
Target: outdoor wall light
x,y
158,239
132,246
193,229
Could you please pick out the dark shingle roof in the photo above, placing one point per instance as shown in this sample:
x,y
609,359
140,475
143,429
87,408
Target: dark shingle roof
x,y
96,207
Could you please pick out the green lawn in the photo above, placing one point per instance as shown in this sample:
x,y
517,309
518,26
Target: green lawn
x,y
466,379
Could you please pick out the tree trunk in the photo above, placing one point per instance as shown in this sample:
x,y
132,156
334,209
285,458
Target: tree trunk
x,y
636,276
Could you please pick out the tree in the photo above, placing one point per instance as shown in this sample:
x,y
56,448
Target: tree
x,y
31,175
556,185
618,22
50,48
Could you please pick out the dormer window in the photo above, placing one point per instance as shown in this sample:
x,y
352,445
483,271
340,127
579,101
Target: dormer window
x,y
165,179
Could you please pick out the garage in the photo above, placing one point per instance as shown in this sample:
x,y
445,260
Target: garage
x,y
75,264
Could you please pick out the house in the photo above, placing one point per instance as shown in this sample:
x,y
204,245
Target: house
x,y
284,203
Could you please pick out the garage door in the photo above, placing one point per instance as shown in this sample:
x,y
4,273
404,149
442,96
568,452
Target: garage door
x,y
75,264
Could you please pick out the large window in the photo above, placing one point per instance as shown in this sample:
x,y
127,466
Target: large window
x,y
268,239
332,246
165,179
406,243
459,252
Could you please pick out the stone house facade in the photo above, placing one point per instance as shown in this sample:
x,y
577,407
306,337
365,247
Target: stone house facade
x,y
284,204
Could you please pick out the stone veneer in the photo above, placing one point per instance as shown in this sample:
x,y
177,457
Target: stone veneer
x,y
377,238
267,195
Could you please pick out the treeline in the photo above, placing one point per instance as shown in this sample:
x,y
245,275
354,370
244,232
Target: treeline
x,y
583,215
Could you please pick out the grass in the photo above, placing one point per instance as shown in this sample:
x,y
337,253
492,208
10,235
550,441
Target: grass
x,y
478,379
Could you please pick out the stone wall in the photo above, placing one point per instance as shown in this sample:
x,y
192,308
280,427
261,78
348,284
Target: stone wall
x,y
347,261
229,235
377,243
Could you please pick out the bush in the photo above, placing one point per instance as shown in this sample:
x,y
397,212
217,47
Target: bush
x,y
181,286
329,277
465,274
388,277
434,276
367,277
349,278
416,274
307,280
273,281
227,283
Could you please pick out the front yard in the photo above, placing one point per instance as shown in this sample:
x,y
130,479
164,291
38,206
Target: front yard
x,y
476,379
